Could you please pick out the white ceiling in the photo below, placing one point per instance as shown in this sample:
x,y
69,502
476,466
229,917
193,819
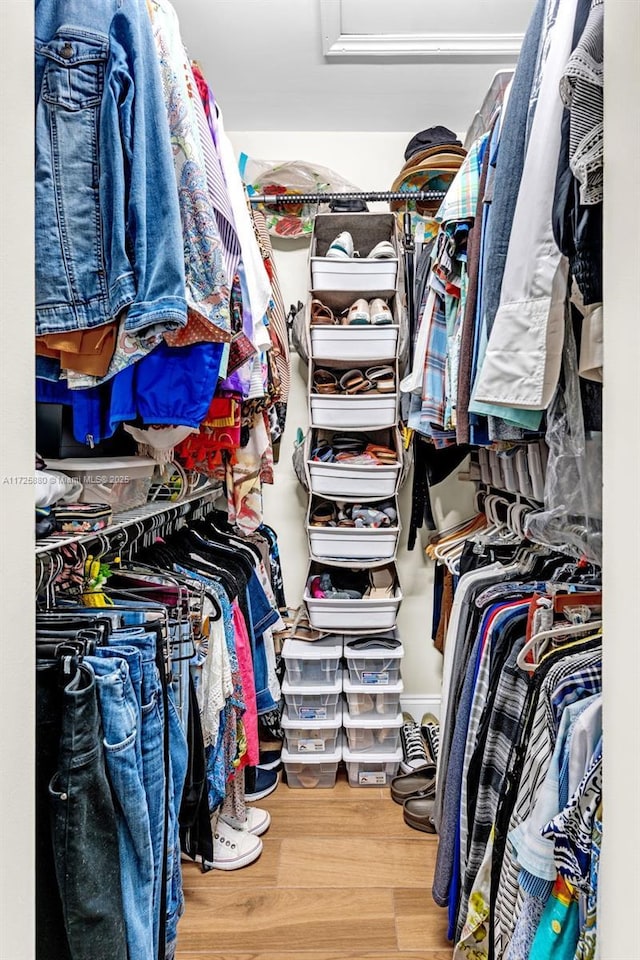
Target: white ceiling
x,y
264,61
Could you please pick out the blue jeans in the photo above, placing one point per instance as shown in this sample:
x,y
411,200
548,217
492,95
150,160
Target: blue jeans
x,y
119,714
182,649
133,659
83,828
178,756
152,741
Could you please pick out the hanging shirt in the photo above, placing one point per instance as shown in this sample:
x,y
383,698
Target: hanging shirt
x,y
524,352
207,285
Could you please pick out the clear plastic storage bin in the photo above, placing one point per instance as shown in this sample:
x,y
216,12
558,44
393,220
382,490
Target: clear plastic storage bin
x,y
366,700
124,483
312,663
371,734
311,736
314,771
375,665
373,769
312,701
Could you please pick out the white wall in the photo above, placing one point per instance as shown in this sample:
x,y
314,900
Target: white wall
x,y
370,161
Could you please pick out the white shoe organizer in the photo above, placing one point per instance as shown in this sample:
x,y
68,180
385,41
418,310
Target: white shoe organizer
x,y
315,677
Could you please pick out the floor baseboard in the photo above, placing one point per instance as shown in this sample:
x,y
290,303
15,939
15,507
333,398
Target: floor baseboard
x,y
418,705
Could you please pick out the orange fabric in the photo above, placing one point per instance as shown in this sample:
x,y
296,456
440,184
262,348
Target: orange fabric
x,y
83,351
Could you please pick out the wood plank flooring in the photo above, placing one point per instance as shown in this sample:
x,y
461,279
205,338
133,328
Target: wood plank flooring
x,y
341,877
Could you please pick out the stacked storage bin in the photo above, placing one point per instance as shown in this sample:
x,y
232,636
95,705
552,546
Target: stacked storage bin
x,y
321,728
312,717
372,682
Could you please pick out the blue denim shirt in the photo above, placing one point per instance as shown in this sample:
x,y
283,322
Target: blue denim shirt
x,y
108,234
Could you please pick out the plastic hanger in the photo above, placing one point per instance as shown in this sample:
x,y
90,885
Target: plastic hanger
x,y
532,645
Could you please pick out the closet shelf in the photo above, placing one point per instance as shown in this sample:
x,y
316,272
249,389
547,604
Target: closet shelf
x,y
166,512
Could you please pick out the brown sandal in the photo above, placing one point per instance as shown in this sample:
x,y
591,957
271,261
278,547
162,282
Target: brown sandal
x,y
321,315
325,382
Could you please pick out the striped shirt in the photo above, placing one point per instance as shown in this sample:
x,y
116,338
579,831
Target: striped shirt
x,y
576,676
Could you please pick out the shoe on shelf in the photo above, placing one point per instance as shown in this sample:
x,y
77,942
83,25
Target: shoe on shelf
x,y
259,783
414,752
417,813
430,729
420,782
270,759
380,313
382,251
233,849
342,247
358,314
258,821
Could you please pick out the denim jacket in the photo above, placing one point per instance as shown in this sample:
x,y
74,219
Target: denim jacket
x,y
108,233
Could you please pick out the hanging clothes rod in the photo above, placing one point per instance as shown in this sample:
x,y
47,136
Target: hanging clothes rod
x,y
274,199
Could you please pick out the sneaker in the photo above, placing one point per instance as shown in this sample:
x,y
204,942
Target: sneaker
x,y
382,251
413,748
258,821
259,783
430,729
270,759
233,849
342,247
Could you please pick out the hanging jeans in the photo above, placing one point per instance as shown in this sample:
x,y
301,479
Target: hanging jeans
x,y
84,831
152,742
119,713
178,756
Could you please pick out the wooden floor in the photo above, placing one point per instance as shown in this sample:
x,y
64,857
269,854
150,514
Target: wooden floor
x,y
341,877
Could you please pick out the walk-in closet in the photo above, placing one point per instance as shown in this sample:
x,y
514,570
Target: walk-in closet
x,y
319,554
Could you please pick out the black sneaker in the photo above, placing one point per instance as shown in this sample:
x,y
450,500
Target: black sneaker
x,y
430,728
414,752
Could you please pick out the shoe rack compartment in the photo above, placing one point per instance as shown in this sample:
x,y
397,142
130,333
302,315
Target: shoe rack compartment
x,y
354,616
357,411
355,481
342,544
353,342
354,273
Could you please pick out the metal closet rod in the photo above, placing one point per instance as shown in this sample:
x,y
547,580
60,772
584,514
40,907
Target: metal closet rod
x,y
384,195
